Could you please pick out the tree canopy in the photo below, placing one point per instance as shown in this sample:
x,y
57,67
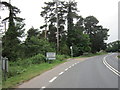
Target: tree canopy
x,y
83,34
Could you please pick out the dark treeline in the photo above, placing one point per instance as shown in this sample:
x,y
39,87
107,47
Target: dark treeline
x,y
83,34
113,46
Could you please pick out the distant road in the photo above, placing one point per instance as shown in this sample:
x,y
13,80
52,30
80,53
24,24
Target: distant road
x,y
81,73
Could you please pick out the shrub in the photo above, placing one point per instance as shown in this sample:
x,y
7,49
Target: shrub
x,y
15,70
19,66
61,57
38,59
34,46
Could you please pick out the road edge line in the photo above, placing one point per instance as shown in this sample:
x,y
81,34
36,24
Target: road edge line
x,y
110,67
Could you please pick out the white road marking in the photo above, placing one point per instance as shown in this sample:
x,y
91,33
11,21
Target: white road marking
x,y
110,67
43,87
69,66
73,65
52,79
61,73
66,69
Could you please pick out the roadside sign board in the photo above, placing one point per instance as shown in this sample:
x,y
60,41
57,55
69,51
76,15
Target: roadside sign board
x,y
4,67
50,55
5,64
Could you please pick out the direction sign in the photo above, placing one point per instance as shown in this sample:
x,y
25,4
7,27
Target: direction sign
x,y
51,55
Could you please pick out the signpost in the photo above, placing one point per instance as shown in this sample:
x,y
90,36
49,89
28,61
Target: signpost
x,y
50,56
5,67
71,48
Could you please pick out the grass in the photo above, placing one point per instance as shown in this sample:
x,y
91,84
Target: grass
x,y
35,70
0,76
91,54
118,56
0,80
32,71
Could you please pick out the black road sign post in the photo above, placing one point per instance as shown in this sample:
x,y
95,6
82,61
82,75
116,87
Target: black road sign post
x,y
5,67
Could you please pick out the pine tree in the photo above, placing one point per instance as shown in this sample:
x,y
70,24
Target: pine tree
x,y
10,39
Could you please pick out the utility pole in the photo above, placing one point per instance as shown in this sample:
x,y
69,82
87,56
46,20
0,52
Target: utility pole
x,y
4,22
0,4
9,1
56,1
46,29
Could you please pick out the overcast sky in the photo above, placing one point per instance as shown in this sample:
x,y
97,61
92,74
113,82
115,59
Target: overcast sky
x,y
106,11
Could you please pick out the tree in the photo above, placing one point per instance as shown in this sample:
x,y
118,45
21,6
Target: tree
x,y
49,13
113,46
45,14
81,41
34,44
11,37
52,34
97,34
71,14
64,49
32,32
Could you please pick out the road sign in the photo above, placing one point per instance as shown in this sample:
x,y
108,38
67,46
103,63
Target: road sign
x,y
71,48
50,55
5,64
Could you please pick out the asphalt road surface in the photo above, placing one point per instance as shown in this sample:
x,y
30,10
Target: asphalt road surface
x,y
93,72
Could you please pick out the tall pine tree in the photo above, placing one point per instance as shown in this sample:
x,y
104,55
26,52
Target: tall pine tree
x,y
10,39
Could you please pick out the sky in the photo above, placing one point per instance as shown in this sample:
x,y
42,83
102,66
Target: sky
x,y
106,11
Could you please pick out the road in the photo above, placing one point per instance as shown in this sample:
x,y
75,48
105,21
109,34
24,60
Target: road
x,y
79,73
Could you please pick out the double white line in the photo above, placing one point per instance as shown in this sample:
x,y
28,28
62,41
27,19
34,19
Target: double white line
x,y
110,67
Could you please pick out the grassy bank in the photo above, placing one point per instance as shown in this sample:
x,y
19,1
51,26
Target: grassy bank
x,y
118,56
91,54
0,79
27,72
0,75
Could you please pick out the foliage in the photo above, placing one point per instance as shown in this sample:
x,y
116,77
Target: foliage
x,y
71,14
10,39
18,67
52,33
26,69
62,57
32,32
64,49
118,56
97,34
113,46
83,34
36,45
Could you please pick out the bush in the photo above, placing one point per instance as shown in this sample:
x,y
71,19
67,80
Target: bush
x,y
38,59
20,66
15,70
61,57
34,46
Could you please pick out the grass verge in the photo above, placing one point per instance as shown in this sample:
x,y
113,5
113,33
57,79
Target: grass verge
x,y
91,54
32,71
118,56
